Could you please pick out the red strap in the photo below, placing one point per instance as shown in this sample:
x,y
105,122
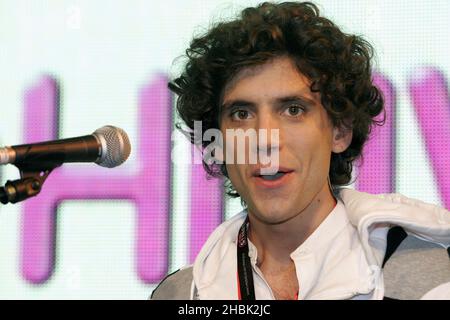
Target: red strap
x,y
239,287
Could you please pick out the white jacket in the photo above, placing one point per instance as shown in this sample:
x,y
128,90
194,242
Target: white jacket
x,y
369,216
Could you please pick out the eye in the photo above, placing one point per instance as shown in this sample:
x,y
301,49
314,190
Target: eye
x,y
240,115
295,110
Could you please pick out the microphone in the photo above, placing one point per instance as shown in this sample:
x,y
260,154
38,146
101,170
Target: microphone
x,y
108,147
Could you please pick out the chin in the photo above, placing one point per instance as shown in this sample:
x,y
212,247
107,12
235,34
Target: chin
x,y
275,216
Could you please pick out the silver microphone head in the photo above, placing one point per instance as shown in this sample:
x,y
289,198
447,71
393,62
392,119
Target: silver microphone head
x,y
116,146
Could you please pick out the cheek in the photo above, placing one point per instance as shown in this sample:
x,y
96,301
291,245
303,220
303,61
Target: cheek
x,y
228,141
232,172
230,148
302,139
310,146
239,149
236,174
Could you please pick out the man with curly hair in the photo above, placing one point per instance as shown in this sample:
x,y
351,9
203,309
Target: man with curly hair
x,y
284,67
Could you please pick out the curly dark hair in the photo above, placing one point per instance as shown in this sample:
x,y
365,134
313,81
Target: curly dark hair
x,y
337,64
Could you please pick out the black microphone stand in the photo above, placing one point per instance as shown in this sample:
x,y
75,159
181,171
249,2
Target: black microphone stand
x,y
32,176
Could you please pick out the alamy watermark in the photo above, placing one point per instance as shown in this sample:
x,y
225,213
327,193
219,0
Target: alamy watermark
x,y
251,146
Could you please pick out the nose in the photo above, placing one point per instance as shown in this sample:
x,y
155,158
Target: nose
x,y
268,132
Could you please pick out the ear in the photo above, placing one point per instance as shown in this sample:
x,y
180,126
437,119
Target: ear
x,y
342,138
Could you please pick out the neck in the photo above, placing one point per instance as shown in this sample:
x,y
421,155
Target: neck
x,y
275,242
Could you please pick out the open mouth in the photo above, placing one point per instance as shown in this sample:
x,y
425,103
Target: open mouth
x,y
272,180
272,177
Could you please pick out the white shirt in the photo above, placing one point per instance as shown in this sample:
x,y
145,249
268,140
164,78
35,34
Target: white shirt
x,y
329,264
341,259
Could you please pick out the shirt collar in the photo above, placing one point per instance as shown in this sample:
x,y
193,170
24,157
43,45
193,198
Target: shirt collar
x,y
321,268
324,234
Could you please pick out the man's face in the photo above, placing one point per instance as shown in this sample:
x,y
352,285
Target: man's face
x,y
276,95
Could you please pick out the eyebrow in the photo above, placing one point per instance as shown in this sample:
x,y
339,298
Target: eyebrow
x,y
279,100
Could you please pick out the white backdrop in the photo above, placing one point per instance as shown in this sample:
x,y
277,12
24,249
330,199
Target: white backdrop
x,y
103,52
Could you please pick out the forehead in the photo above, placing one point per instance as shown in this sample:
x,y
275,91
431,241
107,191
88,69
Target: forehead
x,y
275,78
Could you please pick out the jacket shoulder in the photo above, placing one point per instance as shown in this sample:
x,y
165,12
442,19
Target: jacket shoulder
x,y
175,286
415,268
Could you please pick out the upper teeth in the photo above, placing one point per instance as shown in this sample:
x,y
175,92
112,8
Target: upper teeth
x,y
273,176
